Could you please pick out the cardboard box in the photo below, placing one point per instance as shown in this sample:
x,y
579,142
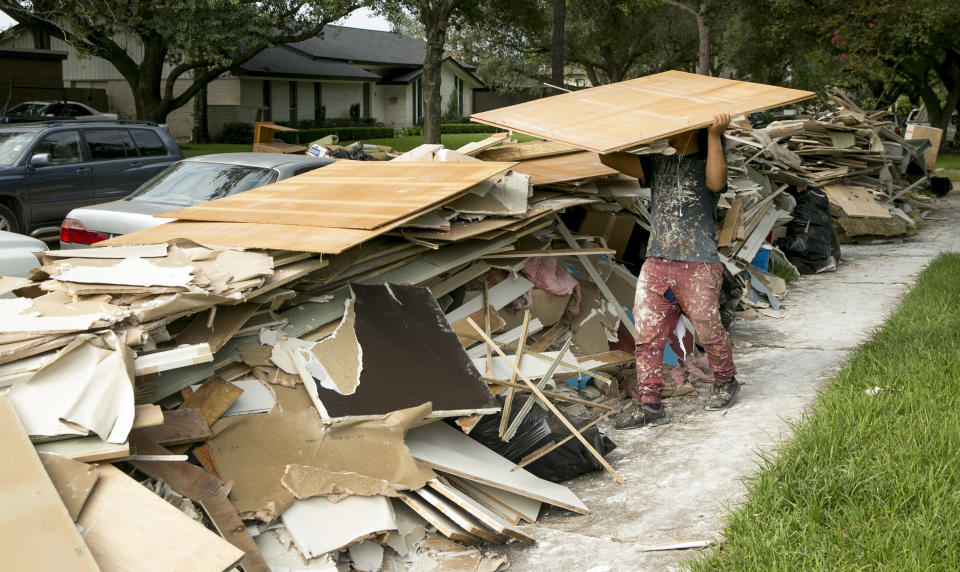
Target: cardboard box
x,y
615,228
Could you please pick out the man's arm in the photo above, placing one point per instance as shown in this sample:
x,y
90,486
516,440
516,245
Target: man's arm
x,y
626,163
716,163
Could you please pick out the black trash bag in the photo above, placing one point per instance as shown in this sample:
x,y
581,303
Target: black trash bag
x,y
730,294
354,154
538,429
811,242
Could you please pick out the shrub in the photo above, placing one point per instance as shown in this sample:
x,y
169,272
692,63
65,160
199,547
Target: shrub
x,y
413,131
355,112
468,128
240,133
305,136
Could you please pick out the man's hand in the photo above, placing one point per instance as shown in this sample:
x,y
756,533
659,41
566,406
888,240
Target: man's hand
x,y
720,123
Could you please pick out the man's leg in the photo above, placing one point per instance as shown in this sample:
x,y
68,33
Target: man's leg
x,y
698,290
654,318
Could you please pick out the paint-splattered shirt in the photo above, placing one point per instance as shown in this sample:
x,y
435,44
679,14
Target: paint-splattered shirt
x,y
682,208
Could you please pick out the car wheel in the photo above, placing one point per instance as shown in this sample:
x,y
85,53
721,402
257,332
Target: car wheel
x,y
8,220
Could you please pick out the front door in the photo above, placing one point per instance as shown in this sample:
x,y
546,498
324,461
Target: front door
x,y
57,188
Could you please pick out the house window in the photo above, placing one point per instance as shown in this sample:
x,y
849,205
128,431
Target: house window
x,y
459,96
266,115
293,101
318,101
366,100
417,87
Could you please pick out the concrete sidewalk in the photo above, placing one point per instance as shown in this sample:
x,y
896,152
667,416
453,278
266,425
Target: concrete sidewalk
x,y
682,477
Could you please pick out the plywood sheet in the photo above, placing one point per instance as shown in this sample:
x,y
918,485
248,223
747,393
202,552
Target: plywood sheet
x,y
856,201
36,531
564,168
250,235
127,527
449,450
73,480
348,194
623,115
527,150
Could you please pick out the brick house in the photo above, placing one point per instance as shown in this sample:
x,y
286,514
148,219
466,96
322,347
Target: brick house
x,y
343,66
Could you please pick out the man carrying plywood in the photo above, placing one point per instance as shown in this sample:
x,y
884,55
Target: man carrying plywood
x,y
682,272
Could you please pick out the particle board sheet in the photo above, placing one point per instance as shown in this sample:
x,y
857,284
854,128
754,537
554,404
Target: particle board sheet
x,y
564,168
348,194
444,448
128,527
856,201
36,531
623,115
407,355
250,235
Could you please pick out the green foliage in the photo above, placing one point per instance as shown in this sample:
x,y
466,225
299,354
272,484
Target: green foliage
x,y
305,136
355,112
334,122
868,482
413,131
236,133
453,106
468,128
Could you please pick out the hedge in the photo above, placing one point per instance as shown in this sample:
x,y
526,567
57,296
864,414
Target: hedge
x,y
468,128
305,136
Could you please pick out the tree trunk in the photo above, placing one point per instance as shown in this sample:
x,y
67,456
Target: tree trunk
x,y
431,85
556,44
703,29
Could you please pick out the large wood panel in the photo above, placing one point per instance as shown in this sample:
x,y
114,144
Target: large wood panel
x,y
622,115
348,194
564,168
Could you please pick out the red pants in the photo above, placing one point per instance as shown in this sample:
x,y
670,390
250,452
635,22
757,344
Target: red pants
x,y
696,288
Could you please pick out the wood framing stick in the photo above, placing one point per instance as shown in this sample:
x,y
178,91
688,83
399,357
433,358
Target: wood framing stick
x,y
595,276
525,408
550,394
552,446
536,391
508,400
486,325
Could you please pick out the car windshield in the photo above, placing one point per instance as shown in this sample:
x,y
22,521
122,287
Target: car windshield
x,y
192,182
12,144
26,109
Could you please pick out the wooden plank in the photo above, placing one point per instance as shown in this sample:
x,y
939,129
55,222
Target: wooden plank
x,y
624,115
463,519
476,147
528,404
73,480
179,428
36,531
527,150
86,449
348,194
128,527
564,168
508,400
172,359
226,321
437,519
212,399
856,201
730,219
147,416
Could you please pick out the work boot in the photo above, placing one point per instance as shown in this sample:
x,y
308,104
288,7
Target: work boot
x,y
722,395
639,414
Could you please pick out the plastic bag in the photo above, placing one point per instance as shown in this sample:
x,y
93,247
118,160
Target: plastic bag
x,y
811,242
538,429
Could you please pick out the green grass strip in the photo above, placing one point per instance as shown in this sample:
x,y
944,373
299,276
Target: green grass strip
x,y
868,482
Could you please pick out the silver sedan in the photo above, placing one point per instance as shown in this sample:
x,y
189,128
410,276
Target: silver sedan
x,y
185,183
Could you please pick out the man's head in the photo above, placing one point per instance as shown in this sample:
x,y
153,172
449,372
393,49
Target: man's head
x,y
686,142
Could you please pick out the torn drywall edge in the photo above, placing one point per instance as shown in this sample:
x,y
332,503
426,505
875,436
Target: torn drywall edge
x,y
146,251
319,526
305,481
133,271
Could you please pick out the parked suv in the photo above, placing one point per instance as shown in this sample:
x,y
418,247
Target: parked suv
x,y
49,168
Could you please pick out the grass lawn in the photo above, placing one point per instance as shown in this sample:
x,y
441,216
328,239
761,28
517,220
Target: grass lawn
x,y
949,160
450,141
868,482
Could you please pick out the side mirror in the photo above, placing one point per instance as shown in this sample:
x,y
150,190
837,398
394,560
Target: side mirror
x,y
41,160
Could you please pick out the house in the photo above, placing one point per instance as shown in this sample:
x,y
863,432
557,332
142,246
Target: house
x,y
379,71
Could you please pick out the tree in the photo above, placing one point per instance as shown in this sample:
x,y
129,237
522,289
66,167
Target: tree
x,y
557,43
701,16
196,40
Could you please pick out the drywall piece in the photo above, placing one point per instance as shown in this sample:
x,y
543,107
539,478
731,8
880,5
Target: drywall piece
x,y
86,449
36,531
458,279
182,356
256,398
89,386
449,450
479,511
20,315
404,325
411,529
500,294
250,235
348,194
128,527
855,201
10,283
253,452
278,550
149,251
367,556
319,526
304,481
227,321
463,519
287,274
509,337
437,519
212,398
626,114
133,271
73,480
564,168
505,195
531,366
